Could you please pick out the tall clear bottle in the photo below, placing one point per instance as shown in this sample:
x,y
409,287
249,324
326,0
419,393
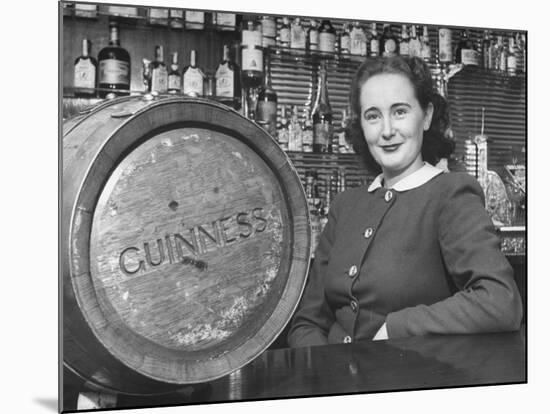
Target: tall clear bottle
x,y
159,74
322,114
358,40
85,69
266,105
445,45
228,81
251,55
374,41
313,36
114,66
174,76
425,48
404,45
193,78
415,44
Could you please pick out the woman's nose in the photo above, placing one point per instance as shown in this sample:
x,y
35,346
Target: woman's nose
x,y
387,128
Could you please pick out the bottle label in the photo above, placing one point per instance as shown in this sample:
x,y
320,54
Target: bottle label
x,y
84,74
390,47
174,82
445,45
224,82
469,57
512,63
226,19
374,47
326,42
267,112
404,49
253,59
297,37
122,11
158,13
269,28
159,79
268,42
194,16
322,134
251,38
314,40
176,13
307,140
284,35
114,71
193,82
425,51
358,44
345,44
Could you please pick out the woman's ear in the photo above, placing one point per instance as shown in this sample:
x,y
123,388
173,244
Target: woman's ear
x,y
428,116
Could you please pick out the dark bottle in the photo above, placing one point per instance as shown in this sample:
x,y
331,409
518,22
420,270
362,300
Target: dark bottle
x,y
322,115
228,81
327,37
114,66
465,51
486,55
266,106
85,69
388,42
174,76
159,74
193,78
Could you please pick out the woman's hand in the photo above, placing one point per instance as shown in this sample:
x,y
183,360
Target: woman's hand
x,y
382,333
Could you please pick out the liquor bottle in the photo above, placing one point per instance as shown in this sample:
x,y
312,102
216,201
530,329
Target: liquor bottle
x,y
343,146
283,132
486,51
297,35
466,52
175,18
404,49
266,106
307,132
358,40
114,66
520,51
193,78
388,42
174,76
524,52
503,55
123,11
495,53
85,69
345,40
269,31
159,74
327,37
225,22
312,197
322,114
313,36
157,16
445,45
251,55
374,41
512,63
228,81
194,20
284,33
294,131
425,48
415,45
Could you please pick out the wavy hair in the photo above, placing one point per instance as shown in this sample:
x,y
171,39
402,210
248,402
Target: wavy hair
x,y
436,143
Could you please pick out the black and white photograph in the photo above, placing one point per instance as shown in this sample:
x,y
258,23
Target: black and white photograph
x,y
260,204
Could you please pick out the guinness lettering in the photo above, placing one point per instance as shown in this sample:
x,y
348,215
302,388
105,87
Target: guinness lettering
x,y
198,240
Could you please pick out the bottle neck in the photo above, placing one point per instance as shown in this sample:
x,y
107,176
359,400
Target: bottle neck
x,y
192,59
175,58
85,48
225,53
267,71
113,36
159,54
322,91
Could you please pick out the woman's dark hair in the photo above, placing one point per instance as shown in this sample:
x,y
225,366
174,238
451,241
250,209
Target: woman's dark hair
x,y
436,144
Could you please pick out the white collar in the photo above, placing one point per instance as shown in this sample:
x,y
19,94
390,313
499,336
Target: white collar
x,y
416,179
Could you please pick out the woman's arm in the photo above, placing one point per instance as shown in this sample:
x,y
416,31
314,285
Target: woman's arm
x,y
313,318
488,299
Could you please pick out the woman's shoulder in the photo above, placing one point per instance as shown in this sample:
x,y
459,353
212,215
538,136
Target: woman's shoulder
x,y
450,185
350,197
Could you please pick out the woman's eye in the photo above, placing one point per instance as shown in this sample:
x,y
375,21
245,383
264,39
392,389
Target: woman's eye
x,y
371,116
400,112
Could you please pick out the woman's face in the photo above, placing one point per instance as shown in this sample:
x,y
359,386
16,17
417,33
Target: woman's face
x,y
393,124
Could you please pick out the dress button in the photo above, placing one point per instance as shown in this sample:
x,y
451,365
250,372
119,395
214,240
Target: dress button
x,y
352,271
368,232
388,196
347,339
354,306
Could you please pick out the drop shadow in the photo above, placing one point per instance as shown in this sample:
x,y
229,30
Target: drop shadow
x,y
49,403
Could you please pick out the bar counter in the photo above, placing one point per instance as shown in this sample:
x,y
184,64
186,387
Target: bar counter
x,y
363,367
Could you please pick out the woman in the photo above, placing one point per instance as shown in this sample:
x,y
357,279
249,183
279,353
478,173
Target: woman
x,y
414,253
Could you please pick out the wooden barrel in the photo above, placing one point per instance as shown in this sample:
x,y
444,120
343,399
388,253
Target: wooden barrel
x,y
185,243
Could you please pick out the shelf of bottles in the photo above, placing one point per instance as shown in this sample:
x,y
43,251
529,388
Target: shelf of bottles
x,y
303,64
